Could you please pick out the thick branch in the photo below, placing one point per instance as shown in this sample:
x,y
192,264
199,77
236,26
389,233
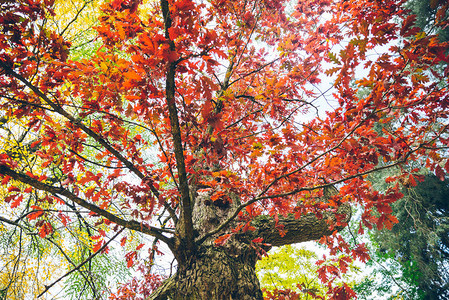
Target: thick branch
x,y
186,209
133,225
306,228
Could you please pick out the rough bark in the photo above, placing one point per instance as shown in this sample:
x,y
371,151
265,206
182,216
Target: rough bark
x,y
228,271
214,273
306,228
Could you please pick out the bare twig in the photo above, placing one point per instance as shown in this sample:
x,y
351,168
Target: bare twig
x,y
47,287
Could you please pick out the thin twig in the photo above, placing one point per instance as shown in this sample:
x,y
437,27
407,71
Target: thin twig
x,y
47,287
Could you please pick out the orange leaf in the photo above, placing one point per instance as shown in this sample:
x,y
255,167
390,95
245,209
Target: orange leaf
x,y
36,214
97,246
132,75
17,201
220,241
5,180
45,229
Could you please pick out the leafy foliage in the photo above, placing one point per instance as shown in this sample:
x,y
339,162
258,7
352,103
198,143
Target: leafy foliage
x,y
77,286
191,123
293,271
26,265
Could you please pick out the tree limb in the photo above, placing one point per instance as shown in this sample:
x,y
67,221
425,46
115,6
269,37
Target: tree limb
x,y
186,209
306,228
14,223
133,225
164,290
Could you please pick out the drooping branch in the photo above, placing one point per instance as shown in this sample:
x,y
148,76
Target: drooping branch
x,y
87,279
47,287
133,225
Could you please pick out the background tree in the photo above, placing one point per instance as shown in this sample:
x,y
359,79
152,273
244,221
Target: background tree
x,y
292,271
418,244
26,265
425,12
189,124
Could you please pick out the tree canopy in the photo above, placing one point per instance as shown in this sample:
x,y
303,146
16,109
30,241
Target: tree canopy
x,y
204,125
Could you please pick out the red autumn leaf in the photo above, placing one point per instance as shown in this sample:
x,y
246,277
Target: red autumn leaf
x,y
257,240
412,180
64,218
130,258
36,214
322,274
409,22
220,241
97,246
16,202
344,293
45,229
35,144
439,172
206,110
248,227
384,208
361,252
5,180
238,228
390,179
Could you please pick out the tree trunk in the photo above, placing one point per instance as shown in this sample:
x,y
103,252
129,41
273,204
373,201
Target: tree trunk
x,y
228,271
214,273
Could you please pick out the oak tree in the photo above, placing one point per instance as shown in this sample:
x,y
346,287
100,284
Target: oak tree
x,y
199,123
